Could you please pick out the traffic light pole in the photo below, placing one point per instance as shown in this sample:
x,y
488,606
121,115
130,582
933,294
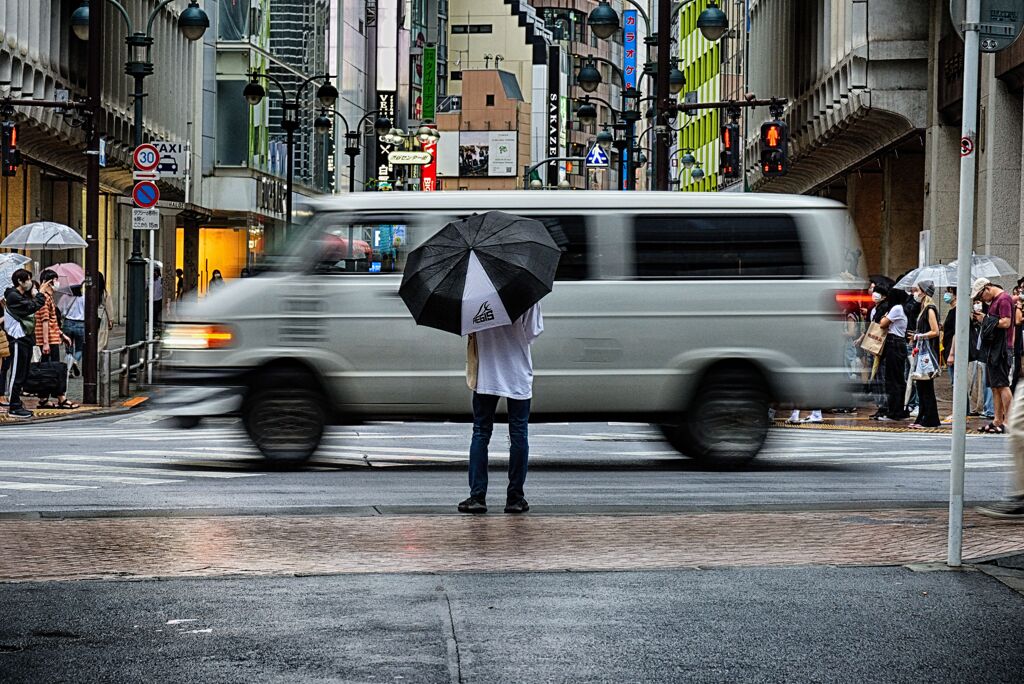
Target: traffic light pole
x,y
94,89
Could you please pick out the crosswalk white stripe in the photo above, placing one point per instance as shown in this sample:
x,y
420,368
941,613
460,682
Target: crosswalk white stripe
x,y
40,487
179,453
115,479
941,466
209,462
33,465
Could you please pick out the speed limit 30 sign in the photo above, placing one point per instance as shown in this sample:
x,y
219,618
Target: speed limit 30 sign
x,y
146,157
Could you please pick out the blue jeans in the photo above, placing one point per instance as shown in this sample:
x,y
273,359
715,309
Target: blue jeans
x,y
484,407
76,331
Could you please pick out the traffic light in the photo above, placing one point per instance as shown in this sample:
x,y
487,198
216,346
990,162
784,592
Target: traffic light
x,y
730,158
10,155
774,148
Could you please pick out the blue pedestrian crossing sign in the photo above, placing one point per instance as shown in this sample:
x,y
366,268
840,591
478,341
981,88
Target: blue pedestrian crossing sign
x,y
597,156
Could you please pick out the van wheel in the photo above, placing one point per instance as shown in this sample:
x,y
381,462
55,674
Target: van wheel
x,y
285,423
727,422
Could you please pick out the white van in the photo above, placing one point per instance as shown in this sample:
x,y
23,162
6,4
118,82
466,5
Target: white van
x,y
690,311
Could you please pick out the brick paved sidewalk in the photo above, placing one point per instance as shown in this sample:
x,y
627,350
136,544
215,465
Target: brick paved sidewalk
x,y
276,545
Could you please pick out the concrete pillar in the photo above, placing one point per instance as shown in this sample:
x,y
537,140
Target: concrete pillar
x,y
903,211
865,203
190,256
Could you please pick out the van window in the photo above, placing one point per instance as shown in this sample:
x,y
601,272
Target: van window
x,y
570,234
361,248
726,246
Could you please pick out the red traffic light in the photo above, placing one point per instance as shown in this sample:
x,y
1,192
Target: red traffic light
x,y
773,134
9,156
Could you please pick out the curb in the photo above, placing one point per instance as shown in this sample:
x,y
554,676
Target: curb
x,y
81,414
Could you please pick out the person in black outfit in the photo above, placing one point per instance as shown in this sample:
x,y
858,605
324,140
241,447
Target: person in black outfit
x,y
926,337
19,325
878,288
894,356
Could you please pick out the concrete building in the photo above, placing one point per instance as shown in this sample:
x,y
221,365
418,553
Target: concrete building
x,y
701,62
486,142
40,55
567,21
857,78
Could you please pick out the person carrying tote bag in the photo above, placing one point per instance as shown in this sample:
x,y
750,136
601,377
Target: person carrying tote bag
x,y
926,366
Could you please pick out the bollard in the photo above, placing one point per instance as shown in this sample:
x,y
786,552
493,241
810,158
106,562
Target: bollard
x,y
104,378
123,388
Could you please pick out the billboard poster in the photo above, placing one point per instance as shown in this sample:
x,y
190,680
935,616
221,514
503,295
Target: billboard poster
x,y
502,153
487,153
474,154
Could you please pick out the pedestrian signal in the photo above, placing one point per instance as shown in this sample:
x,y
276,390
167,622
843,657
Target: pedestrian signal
x,y
730,158
10,157
774,148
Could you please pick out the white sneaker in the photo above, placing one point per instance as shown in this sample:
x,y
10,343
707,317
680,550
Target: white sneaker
x,y
813,418
771,415
794,418
913,414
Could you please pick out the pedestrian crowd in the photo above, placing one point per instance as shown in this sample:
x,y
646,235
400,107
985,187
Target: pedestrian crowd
x,y
39,318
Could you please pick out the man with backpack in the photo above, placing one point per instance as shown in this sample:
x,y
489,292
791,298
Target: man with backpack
x,y
19,326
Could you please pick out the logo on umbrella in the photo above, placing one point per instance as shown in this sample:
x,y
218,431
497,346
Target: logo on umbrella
x,y
484,314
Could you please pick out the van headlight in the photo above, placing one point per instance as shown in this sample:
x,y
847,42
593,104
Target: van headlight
x,y
198,336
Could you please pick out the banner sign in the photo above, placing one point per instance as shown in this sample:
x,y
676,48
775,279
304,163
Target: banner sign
x,y
629,47
554,111
386,107
487,153
429,82
428,174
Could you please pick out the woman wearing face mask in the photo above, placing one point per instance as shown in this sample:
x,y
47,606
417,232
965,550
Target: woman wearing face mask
x,y
894,355
926,337
875,366
216,282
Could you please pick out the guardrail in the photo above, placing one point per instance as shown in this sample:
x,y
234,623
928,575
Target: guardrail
x,y
147,359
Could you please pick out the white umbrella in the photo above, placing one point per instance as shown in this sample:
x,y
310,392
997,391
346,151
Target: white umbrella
x,y
943,275
984,266
44,235
9,263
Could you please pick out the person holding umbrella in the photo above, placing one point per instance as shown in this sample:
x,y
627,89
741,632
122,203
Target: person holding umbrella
x,y
483,277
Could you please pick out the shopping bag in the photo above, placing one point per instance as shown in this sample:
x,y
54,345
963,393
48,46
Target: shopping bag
x,y
874,340
926,366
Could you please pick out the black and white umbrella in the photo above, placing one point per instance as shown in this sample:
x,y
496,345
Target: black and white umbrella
x,y
480,272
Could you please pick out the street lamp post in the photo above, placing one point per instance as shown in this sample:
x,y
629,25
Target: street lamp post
x,y
192,23
323,125
254,93
712,22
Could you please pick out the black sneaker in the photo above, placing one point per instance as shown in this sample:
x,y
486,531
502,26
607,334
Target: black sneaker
x,y
20,413
1011,509
519,506
473,504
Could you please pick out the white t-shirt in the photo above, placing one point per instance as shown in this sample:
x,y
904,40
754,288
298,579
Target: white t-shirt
x,y
505,365
73,308
898,321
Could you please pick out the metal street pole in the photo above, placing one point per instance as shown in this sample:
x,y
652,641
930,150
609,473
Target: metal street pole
x,y
290,125
968,161
94,91
138,70
661,145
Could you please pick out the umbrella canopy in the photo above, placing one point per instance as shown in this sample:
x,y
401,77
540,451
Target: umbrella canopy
x,y
480,272
69,274
9,263
44,235
943,275
984,266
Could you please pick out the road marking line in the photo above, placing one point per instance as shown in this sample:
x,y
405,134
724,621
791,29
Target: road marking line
x,y
144,481
40,487
209,462
115,469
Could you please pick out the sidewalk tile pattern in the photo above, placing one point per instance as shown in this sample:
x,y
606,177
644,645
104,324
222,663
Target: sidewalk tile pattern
x,y
275,545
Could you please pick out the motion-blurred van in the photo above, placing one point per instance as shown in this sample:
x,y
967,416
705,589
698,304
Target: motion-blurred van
x,y
694,312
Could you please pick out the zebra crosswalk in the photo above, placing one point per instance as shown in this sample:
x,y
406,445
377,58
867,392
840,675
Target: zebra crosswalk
x,y
140,453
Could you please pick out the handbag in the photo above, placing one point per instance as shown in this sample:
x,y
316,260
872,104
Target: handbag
x,y
472,362
926,366
874,339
